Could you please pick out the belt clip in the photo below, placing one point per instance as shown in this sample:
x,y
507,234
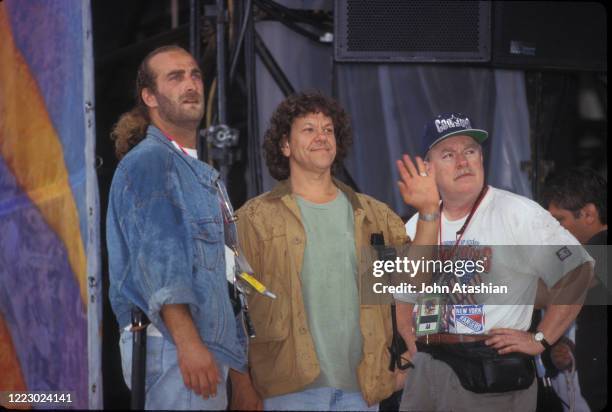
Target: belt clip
x,y
139,320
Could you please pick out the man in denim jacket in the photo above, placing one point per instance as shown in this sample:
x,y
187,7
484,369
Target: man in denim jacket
x,y
165,237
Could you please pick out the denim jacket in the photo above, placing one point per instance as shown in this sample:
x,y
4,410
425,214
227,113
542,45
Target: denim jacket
x,y
166,244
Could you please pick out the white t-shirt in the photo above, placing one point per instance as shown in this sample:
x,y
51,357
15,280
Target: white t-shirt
x,y
501,220
190,152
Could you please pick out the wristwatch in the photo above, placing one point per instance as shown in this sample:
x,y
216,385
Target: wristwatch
x,y
539,337
429,217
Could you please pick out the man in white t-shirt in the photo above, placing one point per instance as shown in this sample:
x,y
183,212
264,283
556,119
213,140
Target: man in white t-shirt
x,y
479,356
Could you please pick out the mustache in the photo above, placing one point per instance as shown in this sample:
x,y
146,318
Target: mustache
x,y
191,96
463,172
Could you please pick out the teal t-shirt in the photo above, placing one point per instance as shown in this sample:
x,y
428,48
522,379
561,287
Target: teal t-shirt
x,y
329,288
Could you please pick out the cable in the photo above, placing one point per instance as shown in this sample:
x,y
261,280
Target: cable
x,y
289,24
295,15
209,105
273,67
236,53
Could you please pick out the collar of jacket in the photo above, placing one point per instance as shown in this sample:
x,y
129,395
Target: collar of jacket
x,y
283,188
204,171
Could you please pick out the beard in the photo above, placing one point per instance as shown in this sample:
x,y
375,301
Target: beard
x,y
179,114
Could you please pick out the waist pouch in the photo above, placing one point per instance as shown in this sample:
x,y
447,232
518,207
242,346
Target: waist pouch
x,y
481,369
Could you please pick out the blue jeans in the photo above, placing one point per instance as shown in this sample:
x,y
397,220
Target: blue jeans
x,y
319,399
164,384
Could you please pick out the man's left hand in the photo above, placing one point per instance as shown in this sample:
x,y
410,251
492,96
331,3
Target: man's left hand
x,y
418,184
512,340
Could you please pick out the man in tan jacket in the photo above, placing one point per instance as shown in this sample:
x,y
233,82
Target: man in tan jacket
x,y
317,346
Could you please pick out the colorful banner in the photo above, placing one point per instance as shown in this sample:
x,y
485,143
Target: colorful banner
x,y
50,307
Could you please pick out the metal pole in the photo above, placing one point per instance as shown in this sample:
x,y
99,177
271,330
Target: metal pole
x,y
234,60
256,182
194,48
535,169
194,29
174,12
222,117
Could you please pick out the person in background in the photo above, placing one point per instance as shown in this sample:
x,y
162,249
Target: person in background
x,y
577,198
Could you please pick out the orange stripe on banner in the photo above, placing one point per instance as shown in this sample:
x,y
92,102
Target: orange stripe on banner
x,y
11,378
32,150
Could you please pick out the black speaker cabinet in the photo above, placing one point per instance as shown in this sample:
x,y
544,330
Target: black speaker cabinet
x,y
550,35
412,31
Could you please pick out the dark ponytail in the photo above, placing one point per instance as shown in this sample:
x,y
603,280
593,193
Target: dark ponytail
x,y
130,130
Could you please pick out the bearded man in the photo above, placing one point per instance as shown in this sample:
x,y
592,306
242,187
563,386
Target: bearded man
x,y
165,237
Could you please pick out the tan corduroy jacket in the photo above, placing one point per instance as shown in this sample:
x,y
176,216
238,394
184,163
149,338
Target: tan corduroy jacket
x,y
282,356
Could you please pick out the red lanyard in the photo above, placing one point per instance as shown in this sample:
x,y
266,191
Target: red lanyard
x,y
461,231
176,143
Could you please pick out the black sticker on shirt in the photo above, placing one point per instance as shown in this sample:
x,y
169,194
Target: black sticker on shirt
x,y
563,253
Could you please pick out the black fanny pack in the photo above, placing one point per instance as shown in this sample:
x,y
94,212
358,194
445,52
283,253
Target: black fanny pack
x,y
481,369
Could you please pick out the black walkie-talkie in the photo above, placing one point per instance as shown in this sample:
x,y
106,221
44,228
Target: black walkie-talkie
x,y
398,346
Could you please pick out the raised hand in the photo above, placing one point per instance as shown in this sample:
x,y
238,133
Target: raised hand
x,y
418,185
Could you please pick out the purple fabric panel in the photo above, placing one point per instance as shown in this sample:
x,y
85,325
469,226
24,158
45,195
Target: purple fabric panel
x,y
49,35
40,298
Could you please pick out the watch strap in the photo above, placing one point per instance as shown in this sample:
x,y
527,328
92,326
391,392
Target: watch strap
x,y
543,340
429,217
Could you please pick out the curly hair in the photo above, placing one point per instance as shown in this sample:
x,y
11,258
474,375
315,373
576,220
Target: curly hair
x,y
131,127
299,105
572,189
